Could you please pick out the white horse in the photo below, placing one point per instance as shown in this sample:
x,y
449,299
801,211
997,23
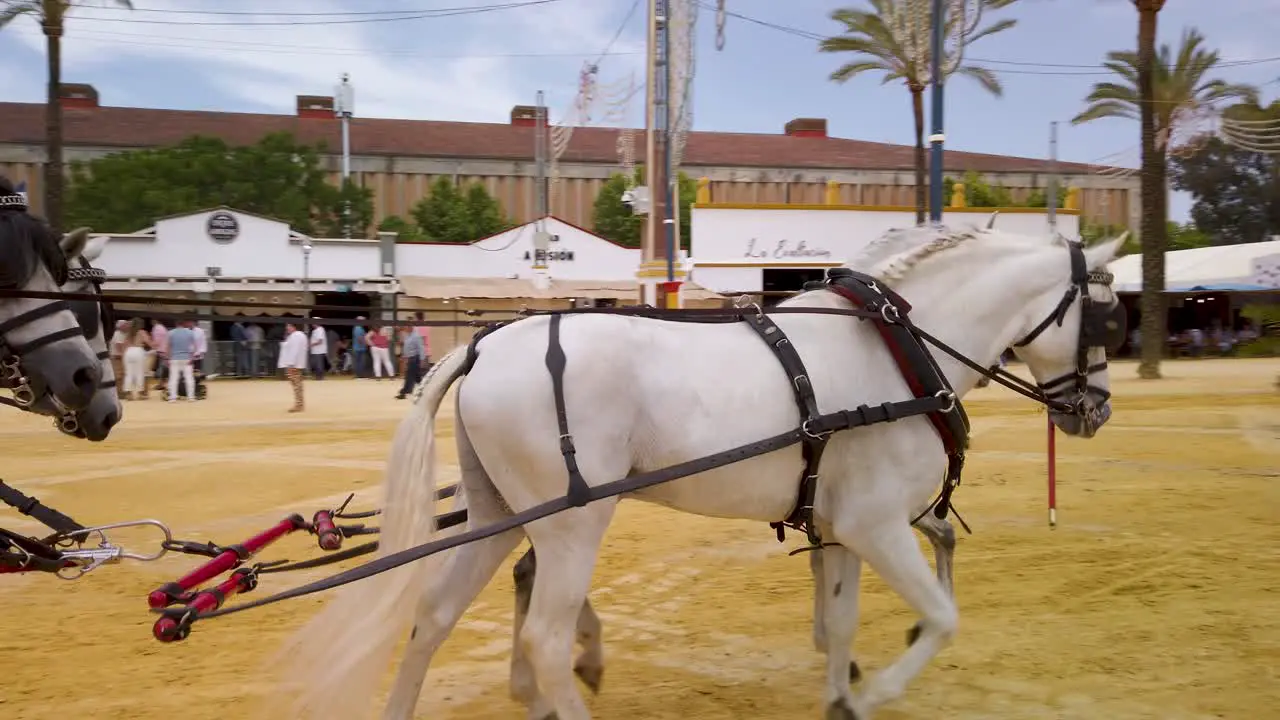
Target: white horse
x,y
643,394
41,346
104,411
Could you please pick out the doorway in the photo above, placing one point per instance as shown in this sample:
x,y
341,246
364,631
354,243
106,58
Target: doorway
x,y
779,284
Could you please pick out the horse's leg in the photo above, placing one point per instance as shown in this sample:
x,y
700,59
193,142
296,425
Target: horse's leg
x,y
942,535
590,664
568,545
816,564
449,593
890,547
841,581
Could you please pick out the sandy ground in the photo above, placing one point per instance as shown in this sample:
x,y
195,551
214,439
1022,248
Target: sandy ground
x,y
1156,597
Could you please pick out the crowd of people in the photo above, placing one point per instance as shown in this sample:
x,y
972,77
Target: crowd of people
x,y
172,361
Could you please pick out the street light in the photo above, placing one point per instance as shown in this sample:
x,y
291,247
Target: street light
x,y
306,264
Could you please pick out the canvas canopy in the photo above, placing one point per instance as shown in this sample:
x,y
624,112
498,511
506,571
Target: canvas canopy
x,y
1248,267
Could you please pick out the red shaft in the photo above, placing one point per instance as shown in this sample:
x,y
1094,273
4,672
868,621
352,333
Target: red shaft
x,y
329,536
1053,473
226,560
166,629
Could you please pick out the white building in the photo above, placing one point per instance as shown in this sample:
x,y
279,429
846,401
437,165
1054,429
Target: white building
x,y
777,248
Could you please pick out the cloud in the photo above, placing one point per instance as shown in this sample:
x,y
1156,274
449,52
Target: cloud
x,y
454,68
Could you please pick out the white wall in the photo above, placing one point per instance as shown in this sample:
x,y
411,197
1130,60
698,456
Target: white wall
x,y
577,255
182,247
764,235
790,237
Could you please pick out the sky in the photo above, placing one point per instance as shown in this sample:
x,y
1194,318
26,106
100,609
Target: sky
x,y
439,59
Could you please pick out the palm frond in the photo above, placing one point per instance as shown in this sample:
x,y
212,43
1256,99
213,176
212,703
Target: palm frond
x,y
985,78
15,10
850,70
1105,109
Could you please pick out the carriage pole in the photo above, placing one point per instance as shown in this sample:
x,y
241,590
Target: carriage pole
x,y
1051,208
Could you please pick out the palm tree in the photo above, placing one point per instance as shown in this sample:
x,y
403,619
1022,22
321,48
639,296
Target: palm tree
x,y
1177,87
893,37
52,16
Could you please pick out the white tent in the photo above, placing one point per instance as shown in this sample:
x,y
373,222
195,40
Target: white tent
x,y
1245,267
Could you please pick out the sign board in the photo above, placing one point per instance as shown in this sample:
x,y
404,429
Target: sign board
x,y
549,255
784,249
223,227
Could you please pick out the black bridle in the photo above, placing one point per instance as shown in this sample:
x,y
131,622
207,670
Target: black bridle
x,y
1101,325
92,318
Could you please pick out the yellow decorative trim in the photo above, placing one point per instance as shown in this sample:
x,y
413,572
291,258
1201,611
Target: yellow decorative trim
x,y
957,197
660,272
1073,200
832,196
877,208
704,190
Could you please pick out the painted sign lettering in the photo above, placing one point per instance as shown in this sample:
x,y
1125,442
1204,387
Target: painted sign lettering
x,y
550,255
784,250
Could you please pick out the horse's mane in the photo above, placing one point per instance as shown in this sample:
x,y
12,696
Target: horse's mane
x,y
26,242
892,256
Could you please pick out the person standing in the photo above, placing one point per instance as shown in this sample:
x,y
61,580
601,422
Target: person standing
x,y
135,361
425,332
293,358
240,336
359,348
182,346
255,337
380,349
160,345
414,352
319,351
116,349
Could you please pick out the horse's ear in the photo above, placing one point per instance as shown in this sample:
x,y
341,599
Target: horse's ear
x,y
1097,256
991,221
94,247
73,242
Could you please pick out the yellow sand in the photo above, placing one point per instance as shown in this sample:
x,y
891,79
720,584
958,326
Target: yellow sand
x,y
1155,597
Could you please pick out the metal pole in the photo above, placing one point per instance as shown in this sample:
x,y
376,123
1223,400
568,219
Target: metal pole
x,y
345,98
540,159
668,219
936,136
1051,201
650,240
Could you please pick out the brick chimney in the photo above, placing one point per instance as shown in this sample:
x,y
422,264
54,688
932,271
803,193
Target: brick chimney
x,y
77,95
807,127
524,115
315,106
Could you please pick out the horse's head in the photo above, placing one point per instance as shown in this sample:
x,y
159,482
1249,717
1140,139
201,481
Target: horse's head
x,y
984,290
1072,328
42,349
94,422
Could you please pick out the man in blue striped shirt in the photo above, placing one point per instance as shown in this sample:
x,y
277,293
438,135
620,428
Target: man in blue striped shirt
x,y
414,352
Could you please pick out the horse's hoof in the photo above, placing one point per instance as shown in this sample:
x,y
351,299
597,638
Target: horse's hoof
x,y
552,716
591,676
840,710
855,672
913,634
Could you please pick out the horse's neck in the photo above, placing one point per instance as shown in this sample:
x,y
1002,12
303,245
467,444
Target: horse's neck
x,y
973,305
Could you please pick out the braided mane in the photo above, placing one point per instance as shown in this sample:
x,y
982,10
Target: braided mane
x,y
891,256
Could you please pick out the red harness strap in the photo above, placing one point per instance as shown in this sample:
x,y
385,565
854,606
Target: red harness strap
x,y
892,336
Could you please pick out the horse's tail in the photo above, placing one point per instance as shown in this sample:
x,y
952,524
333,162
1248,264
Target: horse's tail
x,y
337,660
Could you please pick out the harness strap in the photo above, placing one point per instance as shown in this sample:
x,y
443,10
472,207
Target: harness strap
x,y
33,508
814,444
579,491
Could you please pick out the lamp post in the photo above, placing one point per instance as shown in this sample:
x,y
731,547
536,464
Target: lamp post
x,y
344,108
306,265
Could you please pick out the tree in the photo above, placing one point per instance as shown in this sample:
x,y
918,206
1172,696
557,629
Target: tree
x,y
893,37
1158,89
52,16
1186,236
1236,190
450,215
613,219
980,193
277,177
405,231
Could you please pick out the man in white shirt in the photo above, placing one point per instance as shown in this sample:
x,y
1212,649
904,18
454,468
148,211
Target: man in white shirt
x,y
201,348
116,350
293,358
319,351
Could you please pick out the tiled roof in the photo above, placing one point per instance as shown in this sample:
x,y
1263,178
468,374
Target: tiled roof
x,y
23,123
